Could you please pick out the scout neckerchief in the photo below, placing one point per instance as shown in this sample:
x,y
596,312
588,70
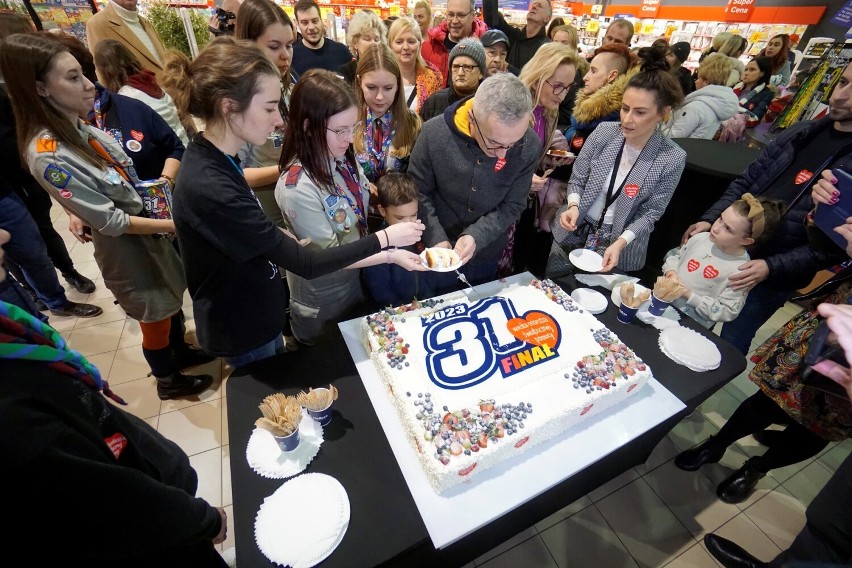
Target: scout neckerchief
x,y
378,140
23,336
354,186
104,153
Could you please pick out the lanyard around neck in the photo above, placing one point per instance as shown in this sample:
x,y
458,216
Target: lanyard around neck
x,y
611,195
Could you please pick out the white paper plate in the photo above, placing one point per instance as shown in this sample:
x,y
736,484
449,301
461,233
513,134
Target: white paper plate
x,y
690,348
586,259
592,300
304,521
670,312
452,268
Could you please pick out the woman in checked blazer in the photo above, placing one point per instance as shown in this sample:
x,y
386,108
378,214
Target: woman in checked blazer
x,y
624,176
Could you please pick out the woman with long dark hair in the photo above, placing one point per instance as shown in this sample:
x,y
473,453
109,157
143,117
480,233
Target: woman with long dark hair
x,y
88,173
324,196
777,49
624,176
753,91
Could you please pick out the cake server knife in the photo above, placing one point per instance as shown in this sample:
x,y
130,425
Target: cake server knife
x,y
463,278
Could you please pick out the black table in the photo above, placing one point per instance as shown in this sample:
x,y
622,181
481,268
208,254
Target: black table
x,y
710,168
385,527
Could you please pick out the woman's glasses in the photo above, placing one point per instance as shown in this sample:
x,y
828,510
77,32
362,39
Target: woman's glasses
x,y
343,134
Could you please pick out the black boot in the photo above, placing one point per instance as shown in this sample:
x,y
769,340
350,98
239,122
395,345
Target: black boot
x,y
187,355
178,385
79,282
740,485
184,355
729,554
694,458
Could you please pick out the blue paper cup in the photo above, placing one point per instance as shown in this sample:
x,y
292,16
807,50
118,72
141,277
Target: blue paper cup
x,y
322,416
657,306
626,314
288,443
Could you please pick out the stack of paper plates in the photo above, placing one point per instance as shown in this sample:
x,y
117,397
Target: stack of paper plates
x,y
302,523
690,348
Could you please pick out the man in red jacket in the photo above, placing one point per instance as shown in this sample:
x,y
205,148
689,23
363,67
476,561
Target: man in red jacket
x,y
460,22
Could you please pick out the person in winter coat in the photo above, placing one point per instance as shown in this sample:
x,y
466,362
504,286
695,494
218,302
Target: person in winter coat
x,y
753,91
468,56
524,41
600,99
704,110
676,56
460,22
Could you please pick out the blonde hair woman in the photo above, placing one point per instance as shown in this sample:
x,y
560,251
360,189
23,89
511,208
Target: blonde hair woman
x,y
386,128
548,75
423,15
420,79
734,46
366,29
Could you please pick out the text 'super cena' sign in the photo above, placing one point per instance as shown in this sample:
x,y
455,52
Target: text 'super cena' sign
x,y
466,344
739,10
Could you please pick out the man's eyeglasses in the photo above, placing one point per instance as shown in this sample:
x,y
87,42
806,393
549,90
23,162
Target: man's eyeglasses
x,y
457,16
343,134
457,68
557,89
485,140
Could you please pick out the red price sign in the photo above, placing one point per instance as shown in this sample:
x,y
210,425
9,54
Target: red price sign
x,y
649,8
739,10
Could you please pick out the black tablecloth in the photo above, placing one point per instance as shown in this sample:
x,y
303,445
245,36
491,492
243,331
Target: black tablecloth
x,y
385,526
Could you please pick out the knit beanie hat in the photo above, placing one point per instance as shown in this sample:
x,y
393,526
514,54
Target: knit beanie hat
x,y
470,47
681,50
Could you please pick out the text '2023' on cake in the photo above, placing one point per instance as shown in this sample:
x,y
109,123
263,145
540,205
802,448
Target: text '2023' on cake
x,y
476,383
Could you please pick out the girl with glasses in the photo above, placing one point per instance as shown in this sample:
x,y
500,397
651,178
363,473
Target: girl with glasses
x,y
324,196
231,249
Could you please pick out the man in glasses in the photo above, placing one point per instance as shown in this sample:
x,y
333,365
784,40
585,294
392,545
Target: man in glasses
x,y
467,63
524,41
474,166
460,22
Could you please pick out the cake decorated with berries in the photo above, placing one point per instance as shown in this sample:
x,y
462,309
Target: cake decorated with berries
x,y
478,382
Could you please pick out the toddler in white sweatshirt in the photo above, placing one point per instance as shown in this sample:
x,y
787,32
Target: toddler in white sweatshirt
x,y
705,262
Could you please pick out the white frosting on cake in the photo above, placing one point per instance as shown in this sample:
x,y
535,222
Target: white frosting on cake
x,y
532,352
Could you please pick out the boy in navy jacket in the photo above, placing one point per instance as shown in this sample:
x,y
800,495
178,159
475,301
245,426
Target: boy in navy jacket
x,y
390,284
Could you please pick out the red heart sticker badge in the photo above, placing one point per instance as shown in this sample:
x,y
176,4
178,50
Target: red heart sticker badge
x,y
577,142
65,194
803,176
692,265
711,272
138,136
499,165
631,190
536,328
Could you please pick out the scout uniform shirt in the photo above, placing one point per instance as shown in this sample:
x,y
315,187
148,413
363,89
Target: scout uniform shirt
x,y
143,273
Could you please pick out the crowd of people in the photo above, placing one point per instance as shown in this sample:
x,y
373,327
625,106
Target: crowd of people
x,y
307,176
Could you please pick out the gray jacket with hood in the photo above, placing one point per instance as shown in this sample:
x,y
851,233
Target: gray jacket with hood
x,y
702,112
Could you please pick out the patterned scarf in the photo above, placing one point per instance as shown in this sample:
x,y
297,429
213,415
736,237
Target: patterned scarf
x,y
23,336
